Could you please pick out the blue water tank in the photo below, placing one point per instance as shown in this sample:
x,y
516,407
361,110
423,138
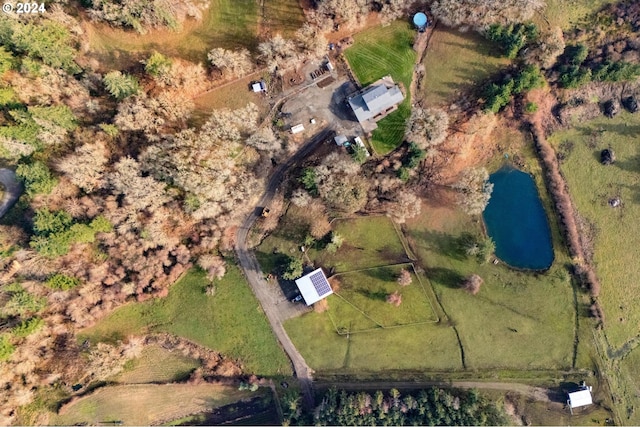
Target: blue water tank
x,y
420,20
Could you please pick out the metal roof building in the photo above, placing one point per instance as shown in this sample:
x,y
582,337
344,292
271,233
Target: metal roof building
x,y
314,286
376,101
580,398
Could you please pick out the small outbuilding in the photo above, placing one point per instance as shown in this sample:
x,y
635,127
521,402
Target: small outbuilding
x,y
340,140
580,398
259,86
297,128
314,286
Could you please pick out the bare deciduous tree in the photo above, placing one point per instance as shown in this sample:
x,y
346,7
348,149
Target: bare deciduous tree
x,y
472,284
474,190
394,299
427,127
277,53
404,278
236,63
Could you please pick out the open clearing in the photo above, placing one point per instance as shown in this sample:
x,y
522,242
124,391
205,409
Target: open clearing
x,y
230,322
230,24
455,62
157,365
378,52
146,404
566,14
617,231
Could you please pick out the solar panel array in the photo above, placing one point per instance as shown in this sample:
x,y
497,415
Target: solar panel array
x,y
320,283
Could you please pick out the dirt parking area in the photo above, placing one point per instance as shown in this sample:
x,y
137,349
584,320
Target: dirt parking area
x,y
326,105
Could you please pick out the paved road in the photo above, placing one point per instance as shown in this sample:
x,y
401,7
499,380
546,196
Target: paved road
x,y
265,292
12,190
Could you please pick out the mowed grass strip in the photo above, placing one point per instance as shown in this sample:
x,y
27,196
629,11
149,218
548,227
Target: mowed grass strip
x,y
367,292
455,62
382,51
617,230
146,404
230,322
157,365
415,347
282,16
518,320
368,242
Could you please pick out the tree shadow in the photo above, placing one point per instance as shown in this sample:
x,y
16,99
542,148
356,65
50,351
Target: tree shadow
x,y
620,129
445,276
383,273
631,164
378,295
448,245
339,105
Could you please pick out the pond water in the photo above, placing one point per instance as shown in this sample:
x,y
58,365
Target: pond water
x,y
516,221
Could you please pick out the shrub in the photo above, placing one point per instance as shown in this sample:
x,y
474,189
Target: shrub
x,y
120,85
293,269
6,348
37,178
359,154
27,327
62,282
472,284
531,107
308,180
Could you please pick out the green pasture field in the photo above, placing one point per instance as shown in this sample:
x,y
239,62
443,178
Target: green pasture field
x,y
456,62
361,300
518,320
157,365
231,24
230,322
617,231
616,234
426,347
378,52
146,404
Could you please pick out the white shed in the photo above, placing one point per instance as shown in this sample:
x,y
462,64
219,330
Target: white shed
x,y
580,398
340,140
297,128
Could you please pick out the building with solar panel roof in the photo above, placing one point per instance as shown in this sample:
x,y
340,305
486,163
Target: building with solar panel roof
x,y
314,286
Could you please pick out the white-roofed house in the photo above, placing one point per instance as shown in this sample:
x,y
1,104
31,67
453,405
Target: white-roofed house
x,y
314,286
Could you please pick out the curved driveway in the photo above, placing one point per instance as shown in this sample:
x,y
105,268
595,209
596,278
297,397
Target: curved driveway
x,y
12,190
255,276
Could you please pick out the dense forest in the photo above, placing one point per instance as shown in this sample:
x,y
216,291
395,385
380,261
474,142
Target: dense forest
x,y
431,407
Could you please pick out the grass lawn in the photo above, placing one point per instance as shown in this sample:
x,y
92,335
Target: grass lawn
x,y
368,242
146,404
378,52
157,365
361,300
230,24
617,235
230,322
455,62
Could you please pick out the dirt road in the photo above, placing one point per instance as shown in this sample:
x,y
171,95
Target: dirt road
x,y
265,293
12,190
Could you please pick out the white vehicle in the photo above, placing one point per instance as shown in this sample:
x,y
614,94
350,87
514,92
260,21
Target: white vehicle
x,y
359,143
